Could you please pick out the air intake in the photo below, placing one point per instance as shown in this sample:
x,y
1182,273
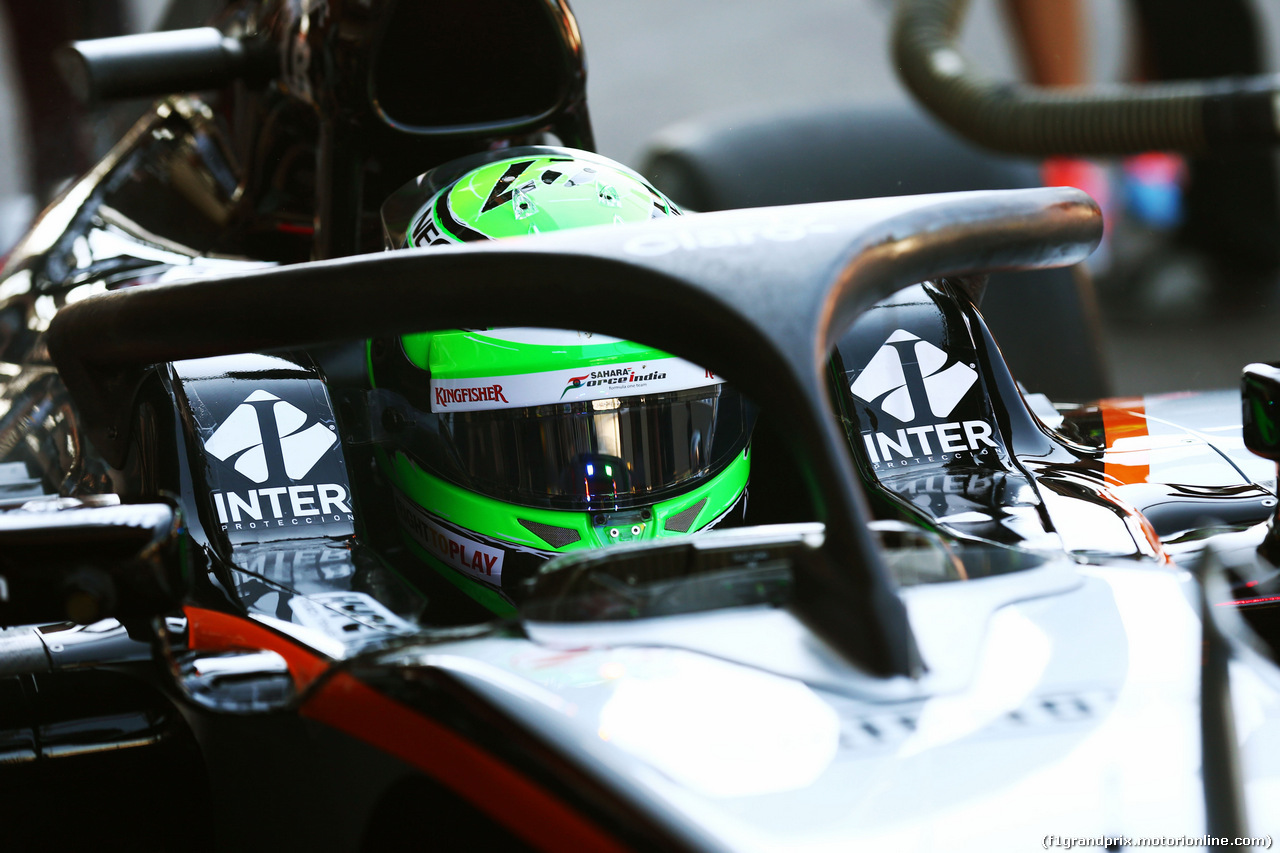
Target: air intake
x,y
683,520
556,537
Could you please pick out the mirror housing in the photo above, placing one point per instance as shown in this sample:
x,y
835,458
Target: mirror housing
x,y
1260,394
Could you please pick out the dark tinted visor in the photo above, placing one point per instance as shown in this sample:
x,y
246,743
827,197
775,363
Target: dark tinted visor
x,y
595,455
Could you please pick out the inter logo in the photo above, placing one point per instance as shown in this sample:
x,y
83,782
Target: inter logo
x,y
909,379
266,435
902,386
269,442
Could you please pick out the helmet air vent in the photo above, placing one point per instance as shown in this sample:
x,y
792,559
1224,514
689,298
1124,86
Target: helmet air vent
x,y
556,537
683,520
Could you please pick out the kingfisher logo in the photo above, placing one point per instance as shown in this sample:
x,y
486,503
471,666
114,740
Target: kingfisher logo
x,y
269,439
446,397
909,379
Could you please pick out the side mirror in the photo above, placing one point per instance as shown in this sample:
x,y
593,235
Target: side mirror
x,y
1260,392
1260,395
65,560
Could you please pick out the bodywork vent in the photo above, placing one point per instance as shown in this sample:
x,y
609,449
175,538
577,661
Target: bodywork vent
x,y
556,537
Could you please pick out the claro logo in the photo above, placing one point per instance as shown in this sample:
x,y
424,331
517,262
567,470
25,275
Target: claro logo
x,y
909,380
693,239
268,439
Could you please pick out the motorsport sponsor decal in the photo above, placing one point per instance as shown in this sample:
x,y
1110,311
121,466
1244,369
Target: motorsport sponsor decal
x,y
624,377
272,444
909,380
455,399
453,549
241,436
655,376
427,233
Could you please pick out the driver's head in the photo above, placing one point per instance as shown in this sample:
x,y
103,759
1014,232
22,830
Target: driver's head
x,y
505,447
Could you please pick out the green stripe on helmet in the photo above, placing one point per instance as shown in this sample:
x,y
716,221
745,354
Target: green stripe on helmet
x,y
471,354
502,521
529,195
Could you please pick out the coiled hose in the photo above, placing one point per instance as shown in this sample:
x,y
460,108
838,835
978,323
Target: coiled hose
x,y
1191,116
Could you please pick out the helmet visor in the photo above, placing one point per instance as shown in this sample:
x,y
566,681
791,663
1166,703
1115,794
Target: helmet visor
x,y
596,454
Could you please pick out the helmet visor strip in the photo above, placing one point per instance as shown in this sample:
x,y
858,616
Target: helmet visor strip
x,y
602,454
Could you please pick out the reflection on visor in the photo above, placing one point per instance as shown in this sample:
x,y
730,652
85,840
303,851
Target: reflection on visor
x,y
596,455
603,478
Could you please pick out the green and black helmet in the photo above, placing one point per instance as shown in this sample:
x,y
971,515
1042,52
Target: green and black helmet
x,y
506,447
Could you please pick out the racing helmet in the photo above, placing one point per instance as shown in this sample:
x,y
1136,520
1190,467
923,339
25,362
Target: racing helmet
x,y
505,447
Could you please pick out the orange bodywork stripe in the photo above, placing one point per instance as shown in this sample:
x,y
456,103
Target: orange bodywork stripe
x,y
1125,418
1138,520
351,706
211,630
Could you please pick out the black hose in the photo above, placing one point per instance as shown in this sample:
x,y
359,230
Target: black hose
x,y
1191,117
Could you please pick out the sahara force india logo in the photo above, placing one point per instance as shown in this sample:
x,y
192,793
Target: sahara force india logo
x,y
268,439
613,376
907,378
